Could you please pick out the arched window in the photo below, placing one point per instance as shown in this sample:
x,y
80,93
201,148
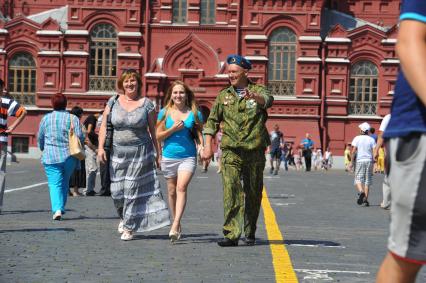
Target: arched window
x,y
363,89
179,11
282,62
208,12
103,58
22,78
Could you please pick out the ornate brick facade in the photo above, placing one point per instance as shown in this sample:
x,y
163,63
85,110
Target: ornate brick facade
x,y
330,37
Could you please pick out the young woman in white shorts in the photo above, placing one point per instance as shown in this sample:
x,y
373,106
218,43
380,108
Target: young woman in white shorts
x,y
179,127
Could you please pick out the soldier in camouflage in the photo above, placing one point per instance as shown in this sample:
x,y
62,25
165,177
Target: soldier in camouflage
x,y
241,108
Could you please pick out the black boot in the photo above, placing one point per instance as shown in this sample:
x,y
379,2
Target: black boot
x,y
225,242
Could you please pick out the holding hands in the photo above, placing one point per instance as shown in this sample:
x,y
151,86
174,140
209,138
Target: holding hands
x,y
206,153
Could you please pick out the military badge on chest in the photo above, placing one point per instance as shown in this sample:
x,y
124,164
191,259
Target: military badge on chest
x,y
228,100
251,103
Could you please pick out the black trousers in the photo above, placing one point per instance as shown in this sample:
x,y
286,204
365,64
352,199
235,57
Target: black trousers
x,y
105,177
307,154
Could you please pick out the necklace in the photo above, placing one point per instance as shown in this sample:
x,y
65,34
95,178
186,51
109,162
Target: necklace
x,y
130,99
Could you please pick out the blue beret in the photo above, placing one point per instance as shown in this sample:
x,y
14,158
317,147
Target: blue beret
x,y
239,60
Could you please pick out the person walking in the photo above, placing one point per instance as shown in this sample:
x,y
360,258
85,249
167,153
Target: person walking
x,y
290,156
53,141
105,190
78,177
277,142
179,125
348,160
8,107
307,146
380,155
362,146
135,189
327,161
405,138
242,109
285,152
91,147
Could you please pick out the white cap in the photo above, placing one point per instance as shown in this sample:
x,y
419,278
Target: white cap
x,y
364,127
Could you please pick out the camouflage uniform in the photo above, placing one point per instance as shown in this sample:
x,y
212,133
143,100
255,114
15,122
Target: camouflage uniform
x,y
243,145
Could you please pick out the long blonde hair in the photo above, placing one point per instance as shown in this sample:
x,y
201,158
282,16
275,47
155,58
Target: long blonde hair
x,y
190,100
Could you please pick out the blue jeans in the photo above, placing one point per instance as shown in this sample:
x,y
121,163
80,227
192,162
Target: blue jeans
x,y
58,178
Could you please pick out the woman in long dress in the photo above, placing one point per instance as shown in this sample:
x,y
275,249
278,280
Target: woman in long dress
x,y
134,184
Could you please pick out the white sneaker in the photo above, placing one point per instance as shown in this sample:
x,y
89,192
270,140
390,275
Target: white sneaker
x,y
127,236
120,228
57,215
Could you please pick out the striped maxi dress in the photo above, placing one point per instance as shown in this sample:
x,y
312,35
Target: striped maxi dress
x,y
135,188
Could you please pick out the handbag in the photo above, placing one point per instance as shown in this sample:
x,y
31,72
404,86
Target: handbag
x,y
76,148
106,178
109,130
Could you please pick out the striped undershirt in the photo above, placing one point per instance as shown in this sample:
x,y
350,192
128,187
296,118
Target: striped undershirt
x,y
8,107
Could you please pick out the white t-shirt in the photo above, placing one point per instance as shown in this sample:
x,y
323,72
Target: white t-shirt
x,y
384,123
365,145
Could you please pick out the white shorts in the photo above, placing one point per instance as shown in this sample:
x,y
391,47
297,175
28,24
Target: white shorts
x,y
171,167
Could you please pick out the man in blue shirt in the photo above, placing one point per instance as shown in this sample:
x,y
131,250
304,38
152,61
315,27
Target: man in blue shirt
x,y
406,142
307,146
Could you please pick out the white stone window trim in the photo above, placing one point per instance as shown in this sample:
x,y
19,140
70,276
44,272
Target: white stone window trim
x,y
337,60
129,54
293,115
221,76
76,32
49,32
310,38
308,59
355,117
390,61
155,75
389,41
366,117
296,98
261,37
93,93
3,31
49,52
75,53
338,39
129,34
257,58
336,100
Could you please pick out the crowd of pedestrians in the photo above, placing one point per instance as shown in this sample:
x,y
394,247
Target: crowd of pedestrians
x,y
133,142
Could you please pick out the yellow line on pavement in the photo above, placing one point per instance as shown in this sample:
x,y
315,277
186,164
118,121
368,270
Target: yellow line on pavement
x,y
284,272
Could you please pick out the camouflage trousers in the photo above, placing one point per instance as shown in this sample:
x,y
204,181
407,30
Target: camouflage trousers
x,y
242,177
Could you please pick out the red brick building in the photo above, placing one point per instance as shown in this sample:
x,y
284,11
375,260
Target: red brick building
x,y
329,64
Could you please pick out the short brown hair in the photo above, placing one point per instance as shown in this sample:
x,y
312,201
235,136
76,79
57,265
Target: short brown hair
x,y
128,74
59,101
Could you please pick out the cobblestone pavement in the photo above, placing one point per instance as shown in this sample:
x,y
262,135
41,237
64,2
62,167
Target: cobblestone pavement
x,y
329,237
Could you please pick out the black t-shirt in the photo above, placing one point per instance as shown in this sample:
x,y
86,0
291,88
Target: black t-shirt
x,y
90,120
92,136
